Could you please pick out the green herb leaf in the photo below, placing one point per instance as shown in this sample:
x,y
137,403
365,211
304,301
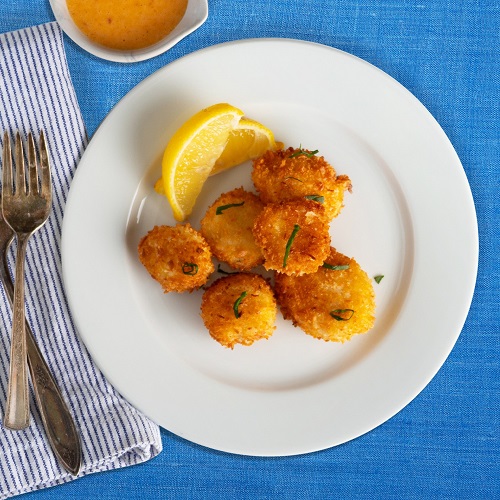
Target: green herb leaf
x,y
315,197
296,229
221,209
342,314
189,268
378,278
335,268
237,303
301,151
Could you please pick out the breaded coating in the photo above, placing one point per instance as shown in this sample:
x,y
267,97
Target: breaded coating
x,y
294,236
177,257
297,173
239,309
227,227
330,304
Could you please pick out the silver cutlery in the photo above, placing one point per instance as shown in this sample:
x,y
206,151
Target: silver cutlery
x,y
25,208
56,417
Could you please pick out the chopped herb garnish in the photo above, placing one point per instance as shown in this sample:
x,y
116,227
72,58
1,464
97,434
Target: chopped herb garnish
x,y
225,207
189,268
237,303
342,314
315,197
304,152
335,268
296,229
378,278
294,178
220,270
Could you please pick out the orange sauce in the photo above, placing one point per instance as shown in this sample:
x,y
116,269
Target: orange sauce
x,y
126,24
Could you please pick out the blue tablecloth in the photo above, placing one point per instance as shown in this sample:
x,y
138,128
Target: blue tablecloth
x,y
446,443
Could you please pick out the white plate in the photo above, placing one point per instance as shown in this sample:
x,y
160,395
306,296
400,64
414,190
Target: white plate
x,y
410,217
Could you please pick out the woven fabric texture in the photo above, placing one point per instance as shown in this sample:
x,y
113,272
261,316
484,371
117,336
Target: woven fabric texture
x,y
445,444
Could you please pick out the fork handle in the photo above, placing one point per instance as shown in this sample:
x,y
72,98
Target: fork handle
x,y
17,415
56,417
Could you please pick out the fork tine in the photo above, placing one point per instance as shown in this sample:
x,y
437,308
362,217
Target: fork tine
x,y
32,166
20,173
45,164
6,165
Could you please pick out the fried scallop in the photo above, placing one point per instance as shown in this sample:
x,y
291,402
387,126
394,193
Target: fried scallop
x,y
332,304
294,236
227,227
178,257
297,173
239,309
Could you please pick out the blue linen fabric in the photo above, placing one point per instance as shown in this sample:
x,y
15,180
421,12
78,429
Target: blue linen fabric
x,y
445,444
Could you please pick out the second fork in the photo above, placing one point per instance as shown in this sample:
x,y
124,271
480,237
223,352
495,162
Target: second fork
x,y
25,208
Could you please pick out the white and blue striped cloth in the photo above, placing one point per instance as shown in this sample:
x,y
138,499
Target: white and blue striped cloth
x,y
36,93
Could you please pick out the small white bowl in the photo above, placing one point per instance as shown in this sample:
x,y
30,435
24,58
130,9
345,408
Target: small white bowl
x,y
195,16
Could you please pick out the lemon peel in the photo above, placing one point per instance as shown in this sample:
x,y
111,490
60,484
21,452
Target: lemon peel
x,y
192,152
247,140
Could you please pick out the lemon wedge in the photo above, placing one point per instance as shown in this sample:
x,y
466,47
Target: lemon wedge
x,y
192,152
247,141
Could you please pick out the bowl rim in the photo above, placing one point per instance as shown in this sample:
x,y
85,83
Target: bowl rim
x,y
195,15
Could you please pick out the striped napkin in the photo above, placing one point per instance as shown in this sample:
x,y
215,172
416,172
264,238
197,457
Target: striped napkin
x,y
36,93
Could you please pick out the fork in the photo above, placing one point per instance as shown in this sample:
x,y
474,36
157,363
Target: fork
x,y
25,208
57,421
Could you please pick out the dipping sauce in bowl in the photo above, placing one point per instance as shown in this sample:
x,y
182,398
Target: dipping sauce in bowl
x,y
129,31
127,24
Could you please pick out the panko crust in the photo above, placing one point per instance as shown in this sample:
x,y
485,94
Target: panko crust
x,y
229,234
178,257
257,310
273,229
279,175
312,300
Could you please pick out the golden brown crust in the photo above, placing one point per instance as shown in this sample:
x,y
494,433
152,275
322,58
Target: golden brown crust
x,y
273,230
229,234
314,301
279,175
177,257
257,309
